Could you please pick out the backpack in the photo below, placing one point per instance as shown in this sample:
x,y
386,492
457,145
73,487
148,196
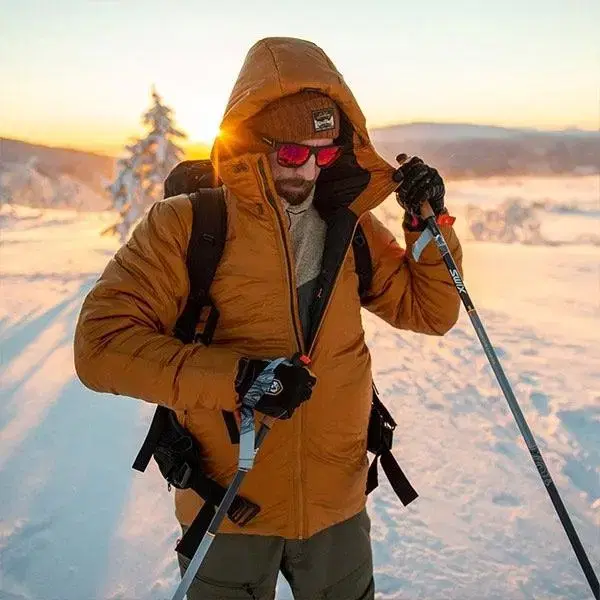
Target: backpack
x,y
173,448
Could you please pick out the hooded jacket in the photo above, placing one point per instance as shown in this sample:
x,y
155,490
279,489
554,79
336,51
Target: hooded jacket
x,y
311,470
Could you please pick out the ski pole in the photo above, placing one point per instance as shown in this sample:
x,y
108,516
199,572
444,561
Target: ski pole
x,y
433,232
216,521
249,446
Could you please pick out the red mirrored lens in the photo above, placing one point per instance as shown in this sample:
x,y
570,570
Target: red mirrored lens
x,y
327,156
292,155
295,155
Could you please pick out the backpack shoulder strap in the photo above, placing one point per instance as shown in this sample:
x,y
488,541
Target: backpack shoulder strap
x,y
205,248
362,261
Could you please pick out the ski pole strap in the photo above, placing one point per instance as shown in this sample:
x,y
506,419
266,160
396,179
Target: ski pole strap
x,y
398,480
427,236
421,244
260,386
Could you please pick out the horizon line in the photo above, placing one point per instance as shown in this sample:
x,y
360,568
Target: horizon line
x,y
207,145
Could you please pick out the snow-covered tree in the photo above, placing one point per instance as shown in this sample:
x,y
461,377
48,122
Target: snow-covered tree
x,y
512,221
22,183
66,192
142,171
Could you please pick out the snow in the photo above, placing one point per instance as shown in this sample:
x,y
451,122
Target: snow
x,y
551,211
77,523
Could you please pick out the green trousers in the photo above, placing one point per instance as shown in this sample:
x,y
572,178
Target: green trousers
x,y
334,564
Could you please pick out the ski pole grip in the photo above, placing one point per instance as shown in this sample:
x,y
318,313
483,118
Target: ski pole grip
x,y
426,210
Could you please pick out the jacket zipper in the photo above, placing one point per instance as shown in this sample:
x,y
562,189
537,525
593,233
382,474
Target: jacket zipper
x,y
320,291
272,202
299,338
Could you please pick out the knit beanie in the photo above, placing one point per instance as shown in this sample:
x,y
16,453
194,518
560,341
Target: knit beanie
x,y
302,116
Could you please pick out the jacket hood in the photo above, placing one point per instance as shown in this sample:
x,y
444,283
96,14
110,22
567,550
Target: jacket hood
x,y
278,67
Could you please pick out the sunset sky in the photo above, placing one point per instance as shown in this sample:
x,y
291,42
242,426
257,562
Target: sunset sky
x,y
78,73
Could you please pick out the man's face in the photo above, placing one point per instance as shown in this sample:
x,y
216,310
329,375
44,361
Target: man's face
x,y
295,185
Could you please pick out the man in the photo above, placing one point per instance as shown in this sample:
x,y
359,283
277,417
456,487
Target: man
x,y
300,173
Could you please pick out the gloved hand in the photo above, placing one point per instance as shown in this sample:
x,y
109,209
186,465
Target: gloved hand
x,y
292,385
418,182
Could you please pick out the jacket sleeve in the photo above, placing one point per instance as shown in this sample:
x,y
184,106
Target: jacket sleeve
x,y
123,342
419,296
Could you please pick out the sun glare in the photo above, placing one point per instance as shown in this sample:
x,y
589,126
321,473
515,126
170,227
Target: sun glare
x,y
200,129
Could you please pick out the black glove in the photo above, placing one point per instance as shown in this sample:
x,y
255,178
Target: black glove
x,y
419,182
292,386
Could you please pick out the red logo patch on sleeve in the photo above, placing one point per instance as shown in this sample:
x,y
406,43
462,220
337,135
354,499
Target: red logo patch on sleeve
x,y
445,219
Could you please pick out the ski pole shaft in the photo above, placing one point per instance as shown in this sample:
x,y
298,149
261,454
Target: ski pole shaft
x,y
216,521
536,455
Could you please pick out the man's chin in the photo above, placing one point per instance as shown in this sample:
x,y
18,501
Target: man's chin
x,y
295,195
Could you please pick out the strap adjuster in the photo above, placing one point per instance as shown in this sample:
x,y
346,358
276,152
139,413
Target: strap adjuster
x,y
242,511
181,477
387,435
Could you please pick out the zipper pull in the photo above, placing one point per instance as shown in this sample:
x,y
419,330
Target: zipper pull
x,y
301,360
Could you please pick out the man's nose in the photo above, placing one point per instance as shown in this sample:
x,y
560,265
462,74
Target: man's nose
x,y
309,169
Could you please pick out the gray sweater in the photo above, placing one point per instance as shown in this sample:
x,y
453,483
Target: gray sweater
x,y
307,233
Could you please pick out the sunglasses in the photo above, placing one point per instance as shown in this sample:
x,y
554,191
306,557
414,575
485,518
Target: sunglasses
x,y
293,156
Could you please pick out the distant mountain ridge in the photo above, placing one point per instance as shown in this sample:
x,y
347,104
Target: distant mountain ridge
x,y
461,131
88,168
457,149
466,150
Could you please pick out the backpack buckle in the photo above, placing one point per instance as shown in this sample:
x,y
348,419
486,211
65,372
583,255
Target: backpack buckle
x,y
206,336
242,511
181,477
381,428
387,435
359,239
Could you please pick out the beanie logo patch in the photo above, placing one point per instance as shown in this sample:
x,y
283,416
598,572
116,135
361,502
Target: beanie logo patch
x,y
323,119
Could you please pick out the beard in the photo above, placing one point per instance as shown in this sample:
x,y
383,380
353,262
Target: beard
x,y
295,191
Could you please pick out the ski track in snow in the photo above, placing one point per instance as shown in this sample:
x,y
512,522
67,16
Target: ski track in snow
x,y
76,523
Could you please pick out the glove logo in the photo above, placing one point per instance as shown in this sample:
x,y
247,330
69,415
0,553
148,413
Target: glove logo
x,y
276,388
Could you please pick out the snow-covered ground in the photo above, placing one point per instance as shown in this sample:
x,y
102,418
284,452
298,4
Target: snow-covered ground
x,y
76,523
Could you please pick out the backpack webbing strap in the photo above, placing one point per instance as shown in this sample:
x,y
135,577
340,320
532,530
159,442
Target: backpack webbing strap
x,y
191,538
382,450
362,261
398,480
207,241
241,510
239,513
232,427
159,421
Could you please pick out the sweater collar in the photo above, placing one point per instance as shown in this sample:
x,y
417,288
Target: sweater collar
x,y
296,209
